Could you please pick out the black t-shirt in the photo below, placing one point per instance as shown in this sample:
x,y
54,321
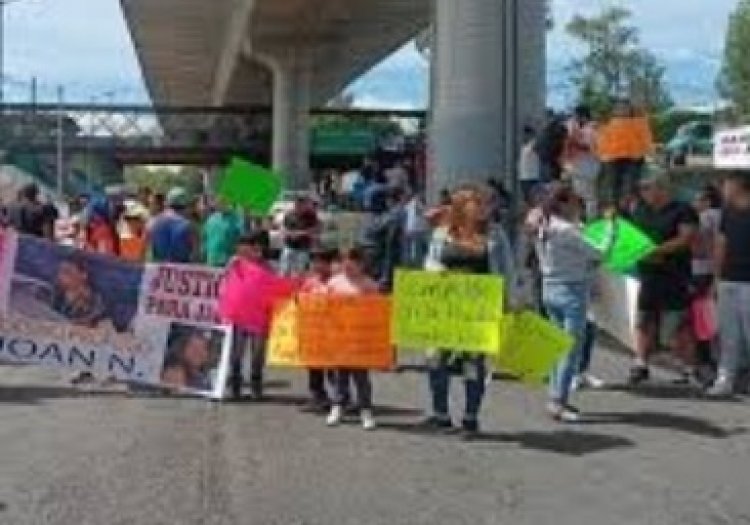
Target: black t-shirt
x,y
665,283
295,221
735,226
28,218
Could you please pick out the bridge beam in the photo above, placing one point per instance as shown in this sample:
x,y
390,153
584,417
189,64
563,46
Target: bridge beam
x,y
488,82
232,50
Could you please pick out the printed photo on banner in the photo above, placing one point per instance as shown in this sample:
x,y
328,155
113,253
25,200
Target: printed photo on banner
x,y
59,284
197,359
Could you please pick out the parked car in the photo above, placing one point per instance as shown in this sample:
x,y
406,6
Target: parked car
x,y
693,138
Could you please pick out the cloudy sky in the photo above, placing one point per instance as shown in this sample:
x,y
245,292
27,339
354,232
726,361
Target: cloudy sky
x,y
84,45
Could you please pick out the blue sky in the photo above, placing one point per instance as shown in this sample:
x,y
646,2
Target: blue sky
x,y
84,45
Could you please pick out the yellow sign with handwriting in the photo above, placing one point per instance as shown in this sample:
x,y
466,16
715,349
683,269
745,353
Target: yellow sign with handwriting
x,y
460,312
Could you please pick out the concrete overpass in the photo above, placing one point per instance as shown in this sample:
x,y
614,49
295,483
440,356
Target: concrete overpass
x,y
488,74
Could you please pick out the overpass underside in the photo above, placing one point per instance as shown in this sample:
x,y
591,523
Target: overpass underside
x,y
488,66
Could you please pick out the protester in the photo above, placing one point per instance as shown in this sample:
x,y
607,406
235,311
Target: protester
x,y
316,282
708,205
171,236
253,248
665,277
415,234
132,232
580,161
352,280
568,267
100,231
733,276
349,181
382,235
529,168
550,145
27,216
301,229
468,244
221,232
397,177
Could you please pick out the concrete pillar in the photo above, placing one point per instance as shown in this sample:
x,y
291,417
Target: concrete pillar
x,y
488,83
291,117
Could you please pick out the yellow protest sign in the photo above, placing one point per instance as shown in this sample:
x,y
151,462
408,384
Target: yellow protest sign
x,y
283,340
531,346
460,312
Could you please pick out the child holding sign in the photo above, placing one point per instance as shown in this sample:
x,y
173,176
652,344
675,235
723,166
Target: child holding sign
x,y
250,248
352,280
321,272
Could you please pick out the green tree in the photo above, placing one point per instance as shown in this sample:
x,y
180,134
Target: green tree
x,y
734,82
161,178
615,64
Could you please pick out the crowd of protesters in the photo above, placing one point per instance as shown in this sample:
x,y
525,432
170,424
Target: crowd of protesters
x,y
702,253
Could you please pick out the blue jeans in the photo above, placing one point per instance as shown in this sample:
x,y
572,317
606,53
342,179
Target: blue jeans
x,y
474,370
566,305
414,249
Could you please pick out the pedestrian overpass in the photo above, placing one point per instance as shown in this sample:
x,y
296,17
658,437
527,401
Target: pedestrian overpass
x,y
488,67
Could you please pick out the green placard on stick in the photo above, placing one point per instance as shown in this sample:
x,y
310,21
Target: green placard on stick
x,y
252,187
631,244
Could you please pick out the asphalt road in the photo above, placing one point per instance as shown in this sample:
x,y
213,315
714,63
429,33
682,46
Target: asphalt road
x,y
658,456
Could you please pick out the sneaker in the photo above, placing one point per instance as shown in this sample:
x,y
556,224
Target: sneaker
x,y
721,389
590,381
563,413
638,375
368,420
334,416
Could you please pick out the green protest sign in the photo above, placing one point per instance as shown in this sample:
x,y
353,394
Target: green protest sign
x,y
630,247
531,347
252,187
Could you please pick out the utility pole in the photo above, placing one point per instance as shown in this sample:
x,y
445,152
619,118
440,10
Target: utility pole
x,y
60,152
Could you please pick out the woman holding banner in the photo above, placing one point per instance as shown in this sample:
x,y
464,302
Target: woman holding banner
x,y
568,267
466,244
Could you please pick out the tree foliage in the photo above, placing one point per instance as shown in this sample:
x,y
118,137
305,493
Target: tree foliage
x,y
734,82
615,65
162,178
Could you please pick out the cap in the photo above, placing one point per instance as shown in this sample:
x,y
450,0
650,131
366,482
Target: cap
x,y
177,198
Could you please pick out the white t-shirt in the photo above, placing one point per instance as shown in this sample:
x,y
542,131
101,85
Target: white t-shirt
x,y
349,180
529,167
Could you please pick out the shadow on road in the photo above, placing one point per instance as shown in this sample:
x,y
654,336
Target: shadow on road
x,y
666,391
30,395
664,421
566,442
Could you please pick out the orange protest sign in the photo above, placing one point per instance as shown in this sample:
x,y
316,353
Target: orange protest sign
x,y
283,341
345,332
625,138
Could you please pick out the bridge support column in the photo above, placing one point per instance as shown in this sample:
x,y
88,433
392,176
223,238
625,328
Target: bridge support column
x,y
489,81
291,120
